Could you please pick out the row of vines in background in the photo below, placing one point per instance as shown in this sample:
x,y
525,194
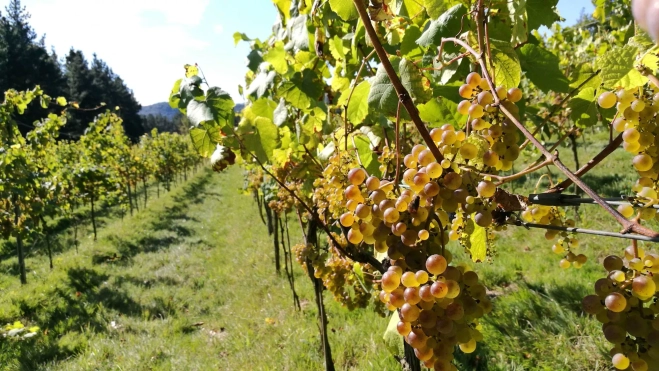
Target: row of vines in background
x,y
43,178
395,127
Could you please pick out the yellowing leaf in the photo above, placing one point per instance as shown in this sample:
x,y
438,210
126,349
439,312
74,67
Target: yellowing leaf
x,y
191,70
61,101
478,239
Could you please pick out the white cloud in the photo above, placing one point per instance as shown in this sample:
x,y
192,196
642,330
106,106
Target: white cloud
x,y
146,42
218,29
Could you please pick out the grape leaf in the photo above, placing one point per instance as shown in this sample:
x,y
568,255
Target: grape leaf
x,y
204,137
409,8
408,46
435,8
541,67
280,114
584,108
618,69
358,106
447,25
518,21
263,107
541,13
261,83
478,242
302,89
367,156
440,111
198,112
263,138
298,36
506,64
276,56
345,9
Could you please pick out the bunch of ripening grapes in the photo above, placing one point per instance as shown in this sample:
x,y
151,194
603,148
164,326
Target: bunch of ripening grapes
x,y
636,119
626,305
565,245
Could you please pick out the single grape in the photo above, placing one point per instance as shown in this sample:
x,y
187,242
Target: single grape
x,y
642,162
620,361
486,189
626,210
347,219
514,95
468,151
643,286
474,79
466,91
592,304
485,98
607,100
615,302
409,280
468,347
476,111
436,264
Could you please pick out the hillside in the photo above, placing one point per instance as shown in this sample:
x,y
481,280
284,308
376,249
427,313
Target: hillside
x,y
163,109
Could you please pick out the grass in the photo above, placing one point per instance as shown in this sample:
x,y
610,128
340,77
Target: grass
x,y
189,284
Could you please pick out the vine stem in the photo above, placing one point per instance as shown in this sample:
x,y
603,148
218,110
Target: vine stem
x,y
397,179
628,226
505,179
403,94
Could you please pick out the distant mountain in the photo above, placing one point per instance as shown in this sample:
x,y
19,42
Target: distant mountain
x,y
163,109
159,109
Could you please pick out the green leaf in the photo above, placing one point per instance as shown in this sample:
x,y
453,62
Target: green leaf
x,y
392,339
581,73
276,56
254,59
435,8
345,9
542,68
280,114
541,13
440,111
284,7
238,37
408,46
447,25
382,96
508,71
263,107
205,137
584,108
261,83
61,101
618,69
478,242
302,89
337,49
367,155
358,106
263,139
198,112
412,80
409,8
298,36
518,21
221,106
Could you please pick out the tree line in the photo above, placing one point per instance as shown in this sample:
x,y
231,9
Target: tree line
x,y
25,62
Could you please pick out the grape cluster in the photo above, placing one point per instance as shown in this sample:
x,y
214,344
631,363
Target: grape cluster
x,y
566,245
626,305
636,119
339,277
438,307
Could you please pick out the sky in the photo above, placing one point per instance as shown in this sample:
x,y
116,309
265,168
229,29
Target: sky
x,y
147,42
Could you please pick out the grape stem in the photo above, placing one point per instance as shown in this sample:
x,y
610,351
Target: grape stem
x,y
505,179
403,94
628,226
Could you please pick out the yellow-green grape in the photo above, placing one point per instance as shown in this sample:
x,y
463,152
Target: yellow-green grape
x,y
640,365
483,219
607,100
620,361
421,277
612,263
362,211
625,96
474,79
490,158
436,264
619,124
615,302
564,263
631,147
468,347
426,157
410,162
638,105
391,215
581,259
434,170
409,313
643,286
357,176
423,235
626,210
452,181
476,111
390,281
372,183
347,219
409,280
486,189
449,137
453,289
514,95
479,124
460,136
411,296
485,98
408,176
352,192
355,236
468,151
466,91
618,276
631,135
351,205
436,134
403,328
431,189
642,162
558,248
501,92
592,304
